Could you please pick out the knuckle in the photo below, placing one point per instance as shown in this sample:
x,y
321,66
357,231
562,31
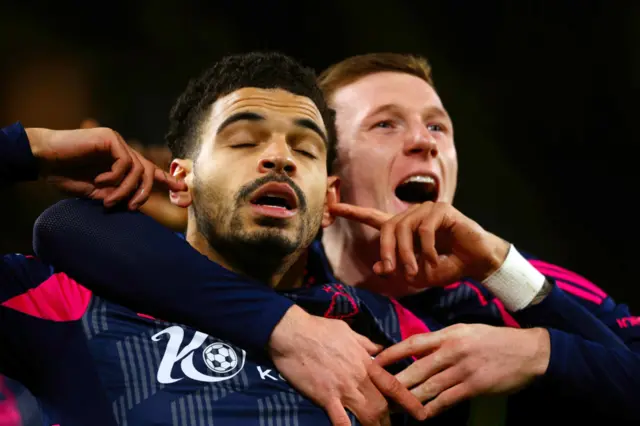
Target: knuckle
x,y
441,206
394,386
424,229
380,409
404,225
415,342
459,328
388,227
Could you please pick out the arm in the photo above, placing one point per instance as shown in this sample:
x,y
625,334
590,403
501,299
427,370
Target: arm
x,y
595,345
153,271
17,162
147,271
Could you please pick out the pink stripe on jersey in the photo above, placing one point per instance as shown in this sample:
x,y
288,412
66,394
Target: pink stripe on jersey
x,y
508,320
579,292
481,298
409,323
9,414
564,274
59,298
452,286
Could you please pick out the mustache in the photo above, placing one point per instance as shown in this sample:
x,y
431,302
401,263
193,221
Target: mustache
x,y
245,192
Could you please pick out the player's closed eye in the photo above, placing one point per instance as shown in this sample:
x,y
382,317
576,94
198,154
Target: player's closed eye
x,y
306,153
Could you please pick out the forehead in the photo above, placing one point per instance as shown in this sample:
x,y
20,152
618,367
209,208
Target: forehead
x,y
386,88
271,103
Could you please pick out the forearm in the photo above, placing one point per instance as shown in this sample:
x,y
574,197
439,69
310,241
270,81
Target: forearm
x,y
133,260
605,378
17,162
559,311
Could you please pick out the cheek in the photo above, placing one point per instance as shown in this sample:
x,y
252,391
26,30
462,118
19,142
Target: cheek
x,y
450,168
316,195
365,173
213,180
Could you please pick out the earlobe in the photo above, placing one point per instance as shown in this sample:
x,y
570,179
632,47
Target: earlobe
x,y
333,196
181,169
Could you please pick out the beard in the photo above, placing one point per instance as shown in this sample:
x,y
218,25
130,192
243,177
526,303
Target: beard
x,y
261,252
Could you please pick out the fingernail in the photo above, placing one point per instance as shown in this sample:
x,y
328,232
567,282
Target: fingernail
x,y
409,269
388,266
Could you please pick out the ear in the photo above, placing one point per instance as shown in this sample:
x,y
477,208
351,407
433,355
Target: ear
x,y
333,196
181,169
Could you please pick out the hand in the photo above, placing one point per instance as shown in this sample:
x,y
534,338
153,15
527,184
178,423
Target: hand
x,y
98,164
450,245
331,364
464,361
158,205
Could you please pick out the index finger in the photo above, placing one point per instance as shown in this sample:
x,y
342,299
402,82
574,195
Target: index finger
x,y
169,181
416,345
368,216
391,387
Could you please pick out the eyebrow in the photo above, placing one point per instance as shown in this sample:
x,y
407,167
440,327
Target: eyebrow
x,y
241,116
432,110
311,125
252,116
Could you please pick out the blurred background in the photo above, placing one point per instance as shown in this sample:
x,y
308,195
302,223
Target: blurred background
x,y
543,96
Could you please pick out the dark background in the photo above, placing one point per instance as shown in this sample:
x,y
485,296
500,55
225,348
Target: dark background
x,y
543,96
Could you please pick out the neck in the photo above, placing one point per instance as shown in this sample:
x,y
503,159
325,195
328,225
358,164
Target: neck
x,y
283,273
348,255
352,258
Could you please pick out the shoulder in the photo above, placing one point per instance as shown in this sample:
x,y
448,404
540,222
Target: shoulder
x,y
33,287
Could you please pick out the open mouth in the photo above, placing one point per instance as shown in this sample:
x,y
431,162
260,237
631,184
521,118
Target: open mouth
x,y
273,201
417,189
276,195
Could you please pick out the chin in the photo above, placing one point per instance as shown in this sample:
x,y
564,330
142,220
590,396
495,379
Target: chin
x,y
274,241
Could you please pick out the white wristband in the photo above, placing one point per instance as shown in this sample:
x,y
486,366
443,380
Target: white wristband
x,y
516,283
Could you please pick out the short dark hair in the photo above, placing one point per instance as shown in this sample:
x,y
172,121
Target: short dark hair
x,y
264,70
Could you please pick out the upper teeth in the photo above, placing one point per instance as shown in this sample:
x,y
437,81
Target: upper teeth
x,y
421,179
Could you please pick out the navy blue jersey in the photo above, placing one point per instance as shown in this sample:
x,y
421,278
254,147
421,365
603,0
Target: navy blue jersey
x,y
594,371
594,341
594,367
154,372
90,361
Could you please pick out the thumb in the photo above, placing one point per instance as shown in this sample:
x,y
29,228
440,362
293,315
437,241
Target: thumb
x,y
368,216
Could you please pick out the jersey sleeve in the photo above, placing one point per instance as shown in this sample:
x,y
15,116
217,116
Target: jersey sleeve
x,y
130,259
34,301
16,159
595,342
